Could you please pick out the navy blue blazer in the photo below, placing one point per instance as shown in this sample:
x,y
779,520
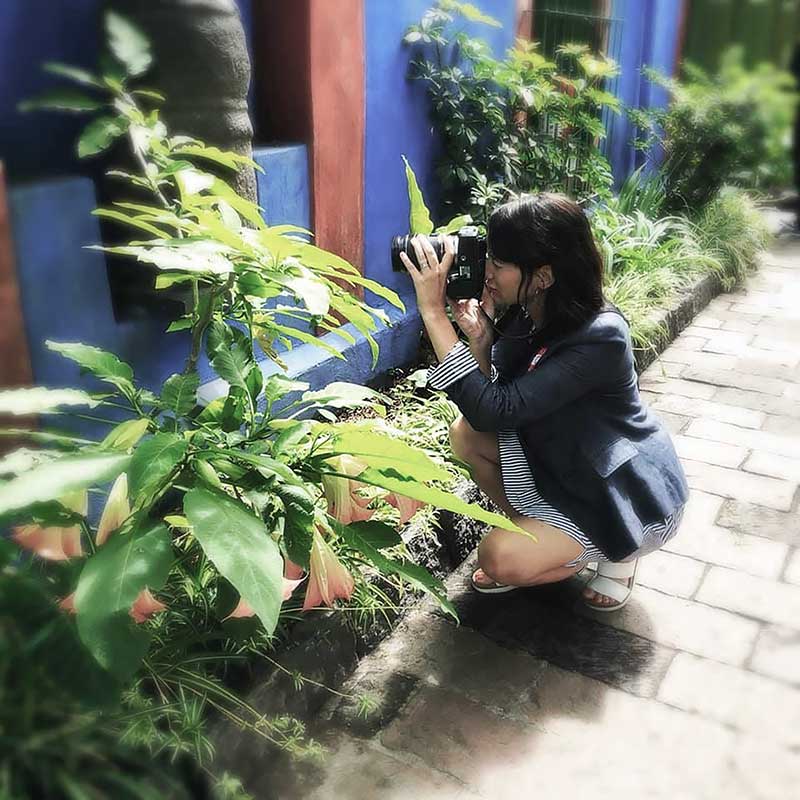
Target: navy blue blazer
x,y
595,450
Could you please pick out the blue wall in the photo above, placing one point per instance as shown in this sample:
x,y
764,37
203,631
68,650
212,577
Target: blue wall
x,y
397,123
649,38
31,32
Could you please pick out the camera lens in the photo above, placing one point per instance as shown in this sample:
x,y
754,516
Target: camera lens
x,y
402,244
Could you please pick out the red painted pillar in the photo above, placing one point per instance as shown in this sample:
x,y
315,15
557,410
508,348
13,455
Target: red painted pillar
x,y
309,76
15,364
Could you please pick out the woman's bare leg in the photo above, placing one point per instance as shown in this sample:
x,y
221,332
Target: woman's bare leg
x,y
506,556
480,451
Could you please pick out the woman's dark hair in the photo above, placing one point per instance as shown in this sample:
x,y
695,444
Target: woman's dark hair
x,y
551,229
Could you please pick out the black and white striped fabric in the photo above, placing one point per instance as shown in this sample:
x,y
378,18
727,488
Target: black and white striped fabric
x,y
519,483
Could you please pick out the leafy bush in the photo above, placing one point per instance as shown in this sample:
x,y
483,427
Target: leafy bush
x,y
518,124
730,128
216,516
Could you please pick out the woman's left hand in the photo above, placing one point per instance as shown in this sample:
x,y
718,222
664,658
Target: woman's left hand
x,y
430,279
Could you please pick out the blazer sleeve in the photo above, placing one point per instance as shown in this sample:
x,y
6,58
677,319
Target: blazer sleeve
x,y
487,405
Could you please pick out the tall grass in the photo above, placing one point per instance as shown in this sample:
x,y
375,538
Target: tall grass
x,y
731,229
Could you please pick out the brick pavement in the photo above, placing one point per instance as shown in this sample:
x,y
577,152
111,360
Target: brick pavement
x,y
693,690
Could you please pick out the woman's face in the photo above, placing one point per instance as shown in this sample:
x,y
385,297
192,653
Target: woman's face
x,y
503,280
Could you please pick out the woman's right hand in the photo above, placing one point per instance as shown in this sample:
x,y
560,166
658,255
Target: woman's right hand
x,y
474,318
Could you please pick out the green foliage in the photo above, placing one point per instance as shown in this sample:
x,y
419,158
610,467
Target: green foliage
x,y
646,264
248,480
731,229
730,128
514,125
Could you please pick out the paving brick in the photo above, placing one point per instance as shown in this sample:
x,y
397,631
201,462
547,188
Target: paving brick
x,y
674,423
736,322
723,455
735,344
757,401
688,343
777,654
713,544
737,380
729,342
782,425
792,574
739,485
647,749
748,518
720,303
755,440
701,509
755,365
787,344
752,703
684,625
546,621
754,309
676,386
691,358
706,321
773,465
764,599
439,653
670,573
357,769
695,407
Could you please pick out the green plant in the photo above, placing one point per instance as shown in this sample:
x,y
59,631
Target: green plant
x,y
732,127
646,264
514,125
210,512
731,229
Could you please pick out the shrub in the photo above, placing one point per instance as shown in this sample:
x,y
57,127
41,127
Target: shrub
x,y
518,124
730,128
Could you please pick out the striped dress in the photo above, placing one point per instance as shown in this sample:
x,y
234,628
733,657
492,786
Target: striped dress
x,y
520,485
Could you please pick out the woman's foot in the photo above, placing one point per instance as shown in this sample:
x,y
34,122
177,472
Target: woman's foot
x,y
602,594
481,582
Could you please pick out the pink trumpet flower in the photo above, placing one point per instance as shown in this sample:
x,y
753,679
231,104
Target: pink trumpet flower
x,y
145,606
407,506
328,578
116,511
293,576
52,543
67,604
343,502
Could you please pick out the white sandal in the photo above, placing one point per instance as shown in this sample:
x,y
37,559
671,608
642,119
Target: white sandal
x,y
491,588
602,584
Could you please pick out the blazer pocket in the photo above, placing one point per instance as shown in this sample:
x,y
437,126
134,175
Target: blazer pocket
x,y
612,456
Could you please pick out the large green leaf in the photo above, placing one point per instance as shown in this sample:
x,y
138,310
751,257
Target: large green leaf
x,y
341,394
455,224
437,497
225,158
100,134
62,99
73,73
39,400
128,44
179,393
298,528
469,11
228,355
240,547
413,573
53,479
105,366
386,453
152,464
419,220
108,586
126,434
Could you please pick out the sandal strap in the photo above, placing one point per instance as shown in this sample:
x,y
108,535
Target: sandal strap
x,y
605,586
620,569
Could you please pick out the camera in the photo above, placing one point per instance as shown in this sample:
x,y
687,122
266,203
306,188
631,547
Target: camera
x,y
465,278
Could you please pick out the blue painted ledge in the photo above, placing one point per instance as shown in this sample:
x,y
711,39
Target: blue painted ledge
x,y
398,345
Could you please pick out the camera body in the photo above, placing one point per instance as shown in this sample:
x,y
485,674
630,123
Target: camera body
x,y
465,278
